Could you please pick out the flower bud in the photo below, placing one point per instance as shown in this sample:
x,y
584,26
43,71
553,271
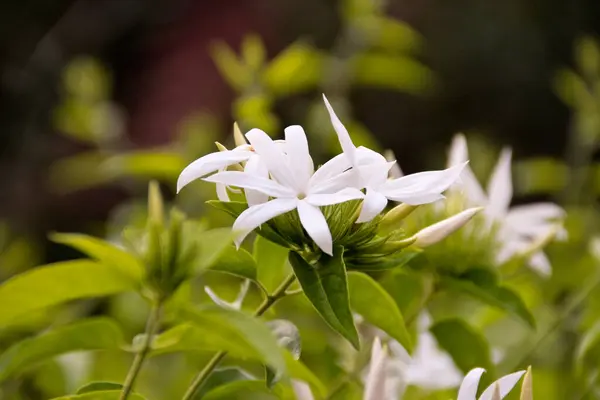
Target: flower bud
x,y
439,231
392,219
238,136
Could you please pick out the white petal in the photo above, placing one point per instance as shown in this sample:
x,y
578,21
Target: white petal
x,y
375,383
540,263
248,181
314,223
239,300
297,153
468,387
422,187
216,299
210,163
395,171
342,196
440,230
255,216
366,156
301,390
348,147
347,179
222,194
374,174
272,155
500,189
372,205
471,188
536,212
255,166
506,383
459,152
331,168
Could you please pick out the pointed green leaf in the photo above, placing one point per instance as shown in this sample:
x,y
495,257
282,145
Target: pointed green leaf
x,y
99,387
102,395
238,333
212,245
104,252
235,262
242,390
364,293
57,283
492,294
326,287
222,376
469,348
92,334
271,260
589,347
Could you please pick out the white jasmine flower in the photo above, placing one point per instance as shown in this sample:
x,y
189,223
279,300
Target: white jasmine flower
x,y
295,186
373,170
375,383
440,230
520,227
468,388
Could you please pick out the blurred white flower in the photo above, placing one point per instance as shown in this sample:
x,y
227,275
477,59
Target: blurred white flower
x,y
237,303
295,185
468,388
520,228
373,169
437,232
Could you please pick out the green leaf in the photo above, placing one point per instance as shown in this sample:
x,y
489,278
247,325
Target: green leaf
x,y
271,261
212,245
242,390
148,164
589,347
238,333
365,292
382,263
237,75
102,395
222,377
104,252
468,348
57,283
92,334
326,287
99,387
236,262
492,294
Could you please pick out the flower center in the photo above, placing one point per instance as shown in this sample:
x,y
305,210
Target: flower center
x,y
301,196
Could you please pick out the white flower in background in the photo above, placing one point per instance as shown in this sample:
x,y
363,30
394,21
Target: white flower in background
x,y
373,170
520,228
237,303
219,161
468,388
295,185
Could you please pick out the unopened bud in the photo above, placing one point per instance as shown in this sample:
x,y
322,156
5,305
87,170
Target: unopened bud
x,y
238,136
527,386
440,230
220,147
392,219
156,212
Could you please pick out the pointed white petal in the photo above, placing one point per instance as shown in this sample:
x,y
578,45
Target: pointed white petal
x,y
272,155
239,300
347,179
459,152
301,390
468,387
470,187
330,169
298,155
506,383
255,166
248,181
210,163
257,215
372,205
440,230
375,383
422,187
341,196
500,189
348,147
540,263
314,223
366,156
216,299
222,194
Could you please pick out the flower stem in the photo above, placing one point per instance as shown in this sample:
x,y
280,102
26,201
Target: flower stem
x,y
267,303
151,327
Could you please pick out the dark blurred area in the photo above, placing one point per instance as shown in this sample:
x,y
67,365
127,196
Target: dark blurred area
x,y
494,61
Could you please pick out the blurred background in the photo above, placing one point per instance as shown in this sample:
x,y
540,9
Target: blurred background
x,y
97,97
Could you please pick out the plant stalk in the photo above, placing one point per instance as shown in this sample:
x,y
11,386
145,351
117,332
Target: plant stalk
x,y
151,328
267,303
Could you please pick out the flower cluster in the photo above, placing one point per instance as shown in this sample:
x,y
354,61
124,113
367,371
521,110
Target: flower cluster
x,y
279,177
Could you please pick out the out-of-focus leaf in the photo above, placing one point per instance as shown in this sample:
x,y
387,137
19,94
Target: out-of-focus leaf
x,y
104,252
238,333
87,79
242,390
237,262
326,287
99,387
237,75
589,347
389,34
587,53
78,172
253,52
391,72
298,370
222,377
371,301
56,283
147,164
572,89
212,244
101,395
92,334
271,260
469,349
492,294
539,175
254,110
298,68
382,263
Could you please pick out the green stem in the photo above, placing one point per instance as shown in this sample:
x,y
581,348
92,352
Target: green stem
x,y
151,328
267,303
